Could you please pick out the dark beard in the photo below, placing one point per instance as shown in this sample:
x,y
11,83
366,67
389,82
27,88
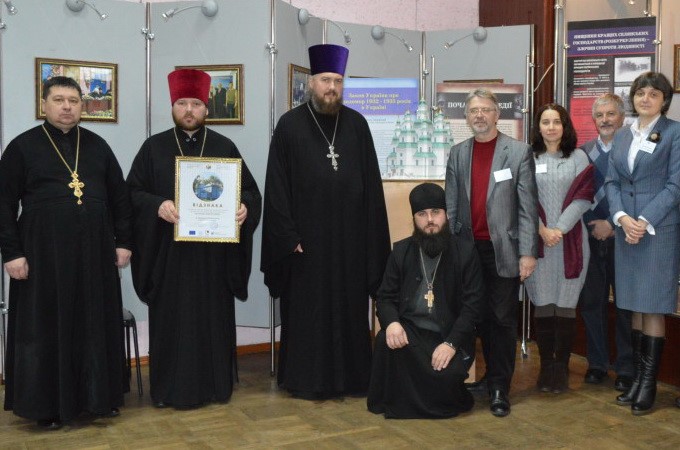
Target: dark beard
x,y
198,125
322,107
432,244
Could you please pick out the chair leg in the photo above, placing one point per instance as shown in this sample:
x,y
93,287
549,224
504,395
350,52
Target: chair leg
x,y
137,363
127,347
235,364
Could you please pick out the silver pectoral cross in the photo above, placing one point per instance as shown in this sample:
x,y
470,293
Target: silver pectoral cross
x,y
333,156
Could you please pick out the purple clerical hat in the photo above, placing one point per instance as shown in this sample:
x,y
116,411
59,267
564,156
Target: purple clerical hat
x,y
328,58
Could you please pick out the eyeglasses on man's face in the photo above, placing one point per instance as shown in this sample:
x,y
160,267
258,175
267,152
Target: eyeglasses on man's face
x,y
485,111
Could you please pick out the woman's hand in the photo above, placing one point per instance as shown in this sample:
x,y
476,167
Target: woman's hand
x,y
551,236
634,229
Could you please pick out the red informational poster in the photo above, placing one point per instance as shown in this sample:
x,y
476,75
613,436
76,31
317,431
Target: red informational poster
x,y
605,56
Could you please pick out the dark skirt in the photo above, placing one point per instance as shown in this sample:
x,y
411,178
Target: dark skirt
x,y
405,386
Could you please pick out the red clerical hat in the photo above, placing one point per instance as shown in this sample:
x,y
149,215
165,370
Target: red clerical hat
x,y
189,83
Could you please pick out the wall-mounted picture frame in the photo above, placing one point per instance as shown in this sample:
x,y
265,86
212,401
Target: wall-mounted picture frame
x,y
676,68
98,81
225,103
298,77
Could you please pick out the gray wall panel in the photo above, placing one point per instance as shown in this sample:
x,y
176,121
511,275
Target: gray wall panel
x,y
501,55
236,35
49,29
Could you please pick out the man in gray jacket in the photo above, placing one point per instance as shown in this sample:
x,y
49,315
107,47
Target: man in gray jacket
x,y
491,198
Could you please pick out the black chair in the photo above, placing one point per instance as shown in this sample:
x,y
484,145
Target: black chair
x,y
129,323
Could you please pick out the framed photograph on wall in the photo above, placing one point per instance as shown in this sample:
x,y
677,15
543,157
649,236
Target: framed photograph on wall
x,y
676,68
98,81
225,102
298,77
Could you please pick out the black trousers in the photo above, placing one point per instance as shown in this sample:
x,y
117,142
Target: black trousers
x,y
498,328
594,307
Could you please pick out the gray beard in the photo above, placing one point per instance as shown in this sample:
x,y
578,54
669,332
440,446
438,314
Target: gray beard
x,y
322,107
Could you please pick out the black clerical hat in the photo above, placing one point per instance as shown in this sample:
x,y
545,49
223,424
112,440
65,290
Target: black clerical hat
x,y
427,196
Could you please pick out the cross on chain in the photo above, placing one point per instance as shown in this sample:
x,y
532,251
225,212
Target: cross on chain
x,y
429,297
333,156
76,185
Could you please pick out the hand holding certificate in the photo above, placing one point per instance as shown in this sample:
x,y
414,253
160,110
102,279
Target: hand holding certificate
x,y
207,197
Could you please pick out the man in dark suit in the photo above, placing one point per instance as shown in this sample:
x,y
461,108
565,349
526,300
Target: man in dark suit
x,y
491,198
608,115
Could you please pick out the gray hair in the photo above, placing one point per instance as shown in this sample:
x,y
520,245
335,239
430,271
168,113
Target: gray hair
x,y
481,93
607,98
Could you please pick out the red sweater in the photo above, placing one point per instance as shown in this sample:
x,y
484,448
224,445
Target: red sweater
x,y
482,156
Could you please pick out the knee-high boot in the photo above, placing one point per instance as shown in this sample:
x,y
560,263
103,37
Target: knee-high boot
x,y
564,338
627,397
544,327
652,347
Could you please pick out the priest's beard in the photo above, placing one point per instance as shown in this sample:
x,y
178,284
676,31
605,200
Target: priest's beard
x,y
188,125
323,106
432,243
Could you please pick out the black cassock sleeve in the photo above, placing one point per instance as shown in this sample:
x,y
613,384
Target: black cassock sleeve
x,y
12,179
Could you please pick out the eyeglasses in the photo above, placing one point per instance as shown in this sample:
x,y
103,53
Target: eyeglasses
x,y
485,111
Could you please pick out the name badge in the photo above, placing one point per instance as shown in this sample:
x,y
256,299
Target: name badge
x,y
502,175
541,168
648,147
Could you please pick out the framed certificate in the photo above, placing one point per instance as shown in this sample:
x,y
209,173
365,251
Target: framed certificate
x,y
207,196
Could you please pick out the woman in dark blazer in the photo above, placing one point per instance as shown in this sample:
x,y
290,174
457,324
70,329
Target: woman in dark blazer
x,y
643,190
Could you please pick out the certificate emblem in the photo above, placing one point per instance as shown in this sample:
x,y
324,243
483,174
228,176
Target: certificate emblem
x,y
208,186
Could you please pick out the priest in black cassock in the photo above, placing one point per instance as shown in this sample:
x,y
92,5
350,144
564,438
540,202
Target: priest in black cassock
x,y
65,340
188,286
428,305
325,236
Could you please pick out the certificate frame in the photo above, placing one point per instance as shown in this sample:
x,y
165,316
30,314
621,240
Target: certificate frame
x,y
676,68
207,196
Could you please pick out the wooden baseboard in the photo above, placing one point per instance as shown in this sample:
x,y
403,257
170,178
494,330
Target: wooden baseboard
x,y
240,350
255,348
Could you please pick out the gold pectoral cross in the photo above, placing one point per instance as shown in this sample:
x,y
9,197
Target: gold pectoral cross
x,y
429,297
76,185
333,156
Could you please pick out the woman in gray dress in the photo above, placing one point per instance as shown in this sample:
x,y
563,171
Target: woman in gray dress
x,y
564,178
643,190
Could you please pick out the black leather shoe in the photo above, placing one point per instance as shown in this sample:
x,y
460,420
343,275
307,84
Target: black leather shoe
x,y
114,412
595,376
623,383
50,424
499,403
160,405
477,386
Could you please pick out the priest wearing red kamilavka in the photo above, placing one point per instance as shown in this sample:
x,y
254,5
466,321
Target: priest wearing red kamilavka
x,y
188,286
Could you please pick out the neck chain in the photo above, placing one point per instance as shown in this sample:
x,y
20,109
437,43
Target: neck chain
x,y
75,183
331,144
430,284
205,134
